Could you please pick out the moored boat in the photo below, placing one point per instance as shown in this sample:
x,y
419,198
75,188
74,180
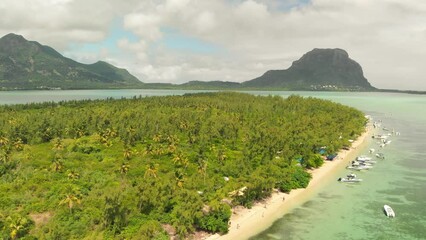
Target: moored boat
x,y
388,211
363,158
350,178
379,136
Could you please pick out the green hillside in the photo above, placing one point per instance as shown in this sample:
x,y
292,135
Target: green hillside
x,y
30,65
134,168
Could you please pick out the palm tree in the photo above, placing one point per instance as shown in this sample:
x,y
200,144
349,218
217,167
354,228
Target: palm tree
x,y
172,148
17,226
18,144
181,160
57,144
157,138
221,155
73,175
202,168
4,141
179,177
124,168
4,157
70,200
127,153
151,170
57,165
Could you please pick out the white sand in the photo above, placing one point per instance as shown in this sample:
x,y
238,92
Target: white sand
x,y
249,222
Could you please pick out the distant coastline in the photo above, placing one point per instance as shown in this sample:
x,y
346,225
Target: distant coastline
x,y
169,86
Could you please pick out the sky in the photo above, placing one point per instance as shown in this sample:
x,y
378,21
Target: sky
x,y
176,41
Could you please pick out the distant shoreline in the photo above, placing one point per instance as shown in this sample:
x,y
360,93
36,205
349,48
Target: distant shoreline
x,y
246,223
178,87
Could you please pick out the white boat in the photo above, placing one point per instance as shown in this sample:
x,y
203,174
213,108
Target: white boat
x,y
380,155
363,158
389,211
366,162
359,167
379,136
349,180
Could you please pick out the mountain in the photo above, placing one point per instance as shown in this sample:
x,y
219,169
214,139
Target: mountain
x,y
319,69
30,65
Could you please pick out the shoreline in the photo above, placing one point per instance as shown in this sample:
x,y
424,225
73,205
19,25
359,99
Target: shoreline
x,y
246,223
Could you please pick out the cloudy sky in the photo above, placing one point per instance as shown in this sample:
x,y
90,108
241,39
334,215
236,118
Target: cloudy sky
x,y
231,40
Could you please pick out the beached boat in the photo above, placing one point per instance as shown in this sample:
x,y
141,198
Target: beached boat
x,y
388,211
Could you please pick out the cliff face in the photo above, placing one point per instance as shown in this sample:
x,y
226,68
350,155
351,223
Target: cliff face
x,y
319,69
30,65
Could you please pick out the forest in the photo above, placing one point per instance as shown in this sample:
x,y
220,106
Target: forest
x,y
147,167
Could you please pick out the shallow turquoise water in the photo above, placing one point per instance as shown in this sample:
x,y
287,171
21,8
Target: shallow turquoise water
x,y
354,211
338,211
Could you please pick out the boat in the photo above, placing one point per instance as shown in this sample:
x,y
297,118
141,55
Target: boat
x,y
363,158
388,211
350,178
379,136
380,155
365,162
357,166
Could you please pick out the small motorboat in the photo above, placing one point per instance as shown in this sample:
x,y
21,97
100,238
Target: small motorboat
x,y
363,158
380,155
359,167
350,178
364,161
388,211
379,136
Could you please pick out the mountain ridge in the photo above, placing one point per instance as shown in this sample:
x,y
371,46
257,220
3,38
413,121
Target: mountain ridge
x,y
30,65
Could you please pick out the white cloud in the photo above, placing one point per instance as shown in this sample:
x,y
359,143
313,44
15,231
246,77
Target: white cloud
x,y
385,36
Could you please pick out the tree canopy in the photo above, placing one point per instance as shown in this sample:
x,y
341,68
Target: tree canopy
x,y
131,168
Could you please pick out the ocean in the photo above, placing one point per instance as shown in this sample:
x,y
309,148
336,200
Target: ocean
x,y
339,210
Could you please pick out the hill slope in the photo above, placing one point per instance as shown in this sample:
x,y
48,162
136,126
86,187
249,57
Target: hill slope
x,y
30,65
319,69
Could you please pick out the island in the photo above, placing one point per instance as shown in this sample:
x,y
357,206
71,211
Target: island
x,y
158,167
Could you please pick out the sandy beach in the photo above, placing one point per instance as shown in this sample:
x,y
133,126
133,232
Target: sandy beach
x,y
249,222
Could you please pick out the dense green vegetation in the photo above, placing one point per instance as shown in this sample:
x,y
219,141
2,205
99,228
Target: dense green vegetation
x,y
130,168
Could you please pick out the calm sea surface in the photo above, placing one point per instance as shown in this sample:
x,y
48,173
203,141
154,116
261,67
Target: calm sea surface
x,y
339,210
